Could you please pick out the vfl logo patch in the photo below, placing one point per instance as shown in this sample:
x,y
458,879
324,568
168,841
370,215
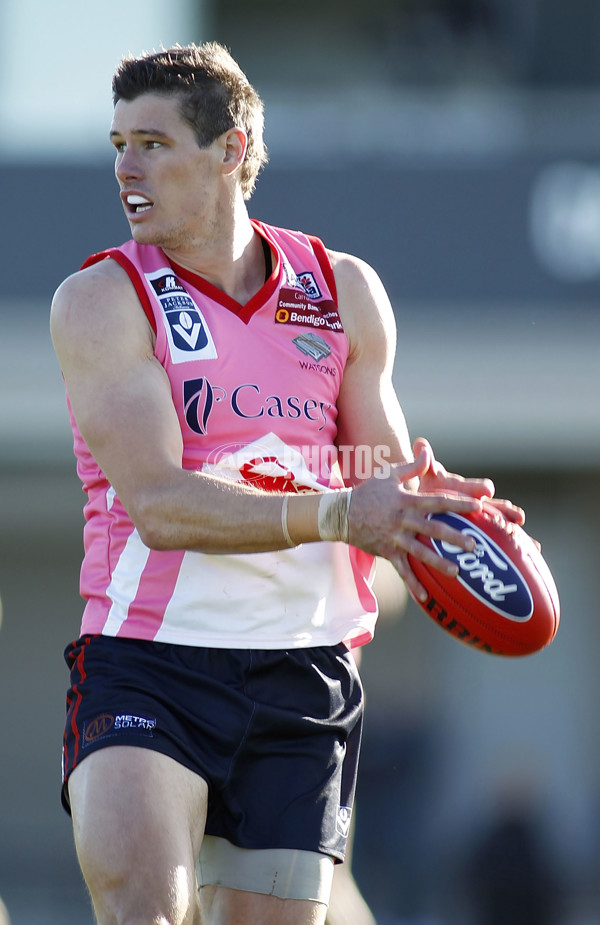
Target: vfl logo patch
x,y
342,823
487,572
187,332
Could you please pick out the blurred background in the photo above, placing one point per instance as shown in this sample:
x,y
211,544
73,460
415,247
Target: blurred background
x,y
453,144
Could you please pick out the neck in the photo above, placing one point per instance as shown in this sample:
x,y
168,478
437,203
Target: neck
x,y
230,256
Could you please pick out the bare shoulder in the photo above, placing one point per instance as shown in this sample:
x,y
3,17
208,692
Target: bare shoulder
x,y
349,264
104,276
364,304
89,304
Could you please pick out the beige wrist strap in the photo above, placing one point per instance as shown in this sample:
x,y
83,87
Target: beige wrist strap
x,y
333,515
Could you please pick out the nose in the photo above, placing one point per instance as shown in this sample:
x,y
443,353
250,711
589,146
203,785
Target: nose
x,y
128,165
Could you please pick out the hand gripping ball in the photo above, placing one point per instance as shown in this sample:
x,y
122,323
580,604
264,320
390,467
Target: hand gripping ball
x,y
504,600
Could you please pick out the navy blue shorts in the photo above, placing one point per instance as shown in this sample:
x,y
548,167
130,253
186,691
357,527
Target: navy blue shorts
x,y
275,733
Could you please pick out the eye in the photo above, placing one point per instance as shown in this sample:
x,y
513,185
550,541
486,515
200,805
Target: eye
x,y
151,145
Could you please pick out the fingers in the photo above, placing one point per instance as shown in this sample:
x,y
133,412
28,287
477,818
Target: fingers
x,y
390,518
421,445
431,503
478,488
410,529
437,478
416,528
438,530
507,509
413,585
399,523
419,550
415,469
435,470
440,480
386,514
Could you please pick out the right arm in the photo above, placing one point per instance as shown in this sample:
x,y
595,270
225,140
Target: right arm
x,y
121,400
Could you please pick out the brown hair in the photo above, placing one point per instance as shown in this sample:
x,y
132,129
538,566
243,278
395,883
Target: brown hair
x,y
215,95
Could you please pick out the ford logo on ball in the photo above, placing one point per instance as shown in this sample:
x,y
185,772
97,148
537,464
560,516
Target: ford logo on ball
x,y
486,572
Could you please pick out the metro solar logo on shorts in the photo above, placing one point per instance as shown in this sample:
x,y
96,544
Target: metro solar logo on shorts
x,y
187,332
486,572
114,724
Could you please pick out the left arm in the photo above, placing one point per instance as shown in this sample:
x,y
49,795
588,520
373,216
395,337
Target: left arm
x,y
369,411
389,509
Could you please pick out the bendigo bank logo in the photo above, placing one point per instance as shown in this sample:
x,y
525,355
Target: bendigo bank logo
x,y
295,308
247,401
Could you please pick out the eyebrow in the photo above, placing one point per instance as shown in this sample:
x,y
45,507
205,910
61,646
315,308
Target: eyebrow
x,y
156,133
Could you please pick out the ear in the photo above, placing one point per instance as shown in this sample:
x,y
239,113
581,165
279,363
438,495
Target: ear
x,y
234,144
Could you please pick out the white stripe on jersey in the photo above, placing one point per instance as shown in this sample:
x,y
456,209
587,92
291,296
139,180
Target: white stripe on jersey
x,y
125,582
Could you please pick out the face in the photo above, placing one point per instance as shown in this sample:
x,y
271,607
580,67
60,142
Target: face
x,y
169,186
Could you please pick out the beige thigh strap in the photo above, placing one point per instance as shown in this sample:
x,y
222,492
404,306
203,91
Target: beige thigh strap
x,y
284,872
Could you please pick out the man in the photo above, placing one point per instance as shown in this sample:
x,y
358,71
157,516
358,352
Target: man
x,y
214,367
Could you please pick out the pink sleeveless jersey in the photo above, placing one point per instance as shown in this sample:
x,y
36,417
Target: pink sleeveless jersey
x,y
255,389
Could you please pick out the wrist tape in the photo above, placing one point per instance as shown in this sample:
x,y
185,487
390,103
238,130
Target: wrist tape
x,y
333,515
284,521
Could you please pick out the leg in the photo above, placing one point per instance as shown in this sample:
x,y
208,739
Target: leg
x,y
138,820
279,886
347,903
224,906
315,739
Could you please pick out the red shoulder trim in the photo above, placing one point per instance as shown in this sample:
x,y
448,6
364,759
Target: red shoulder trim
x,y
132,272
325,264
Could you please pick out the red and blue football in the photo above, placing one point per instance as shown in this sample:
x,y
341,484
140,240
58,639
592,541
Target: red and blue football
x,y
504,599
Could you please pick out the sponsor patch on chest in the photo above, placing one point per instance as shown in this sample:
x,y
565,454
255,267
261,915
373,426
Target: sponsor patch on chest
x,y
295,307
187,331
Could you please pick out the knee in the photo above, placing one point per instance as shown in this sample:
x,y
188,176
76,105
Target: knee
x,y
139,900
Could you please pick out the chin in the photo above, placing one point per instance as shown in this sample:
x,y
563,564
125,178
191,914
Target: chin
x,y
142,235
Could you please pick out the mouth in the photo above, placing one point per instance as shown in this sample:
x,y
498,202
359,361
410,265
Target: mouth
x,y
136,204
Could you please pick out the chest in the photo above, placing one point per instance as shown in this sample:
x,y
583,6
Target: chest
x,y
277,370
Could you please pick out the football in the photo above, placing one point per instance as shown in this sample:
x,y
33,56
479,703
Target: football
x,y
504,600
